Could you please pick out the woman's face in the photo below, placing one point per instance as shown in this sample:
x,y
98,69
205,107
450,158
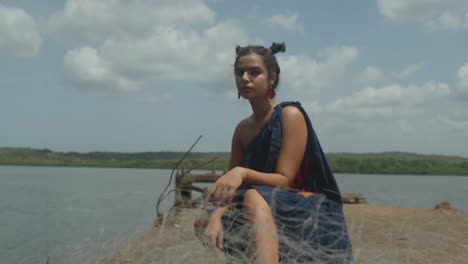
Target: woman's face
x,y
251,76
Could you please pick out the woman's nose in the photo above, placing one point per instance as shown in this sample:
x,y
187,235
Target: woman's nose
x,y
245,76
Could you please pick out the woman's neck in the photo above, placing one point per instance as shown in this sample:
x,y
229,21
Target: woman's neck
x,y
262,108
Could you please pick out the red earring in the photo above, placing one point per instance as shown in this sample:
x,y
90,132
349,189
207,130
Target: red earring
x,y
271,93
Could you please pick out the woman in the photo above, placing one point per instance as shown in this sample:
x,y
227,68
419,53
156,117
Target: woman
x,y
279,197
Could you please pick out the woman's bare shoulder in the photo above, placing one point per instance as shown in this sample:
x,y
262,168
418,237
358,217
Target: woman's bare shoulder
x,y
244,124
293,114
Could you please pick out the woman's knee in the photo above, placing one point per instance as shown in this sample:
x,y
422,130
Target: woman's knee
x,y
254,203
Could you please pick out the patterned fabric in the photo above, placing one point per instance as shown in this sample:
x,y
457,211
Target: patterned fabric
x,y
310,229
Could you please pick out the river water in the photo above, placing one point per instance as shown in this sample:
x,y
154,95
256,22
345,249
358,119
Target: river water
x,y
75,214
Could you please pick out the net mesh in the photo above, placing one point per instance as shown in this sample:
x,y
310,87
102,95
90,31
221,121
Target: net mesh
x,y
174,240
380,235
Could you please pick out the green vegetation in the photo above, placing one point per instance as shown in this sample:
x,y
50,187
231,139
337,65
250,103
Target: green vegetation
x,y
156,160
375,163
398,163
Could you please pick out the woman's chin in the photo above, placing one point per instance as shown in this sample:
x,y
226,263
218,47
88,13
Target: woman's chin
x,y
248,95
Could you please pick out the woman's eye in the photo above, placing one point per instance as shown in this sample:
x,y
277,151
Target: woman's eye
x,y
254,72
250,72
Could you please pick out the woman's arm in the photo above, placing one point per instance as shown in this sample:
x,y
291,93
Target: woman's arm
x,y
292,149
291,153
290,157
237,151
237,154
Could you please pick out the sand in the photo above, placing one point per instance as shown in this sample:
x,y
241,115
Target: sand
x,y
379,234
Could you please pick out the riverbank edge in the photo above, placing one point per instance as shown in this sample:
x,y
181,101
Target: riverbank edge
x,y
379,234
396,163
403,173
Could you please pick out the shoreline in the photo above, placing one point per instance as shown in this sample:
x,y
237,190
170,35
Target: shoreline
x,y
396,163
379,235
218,170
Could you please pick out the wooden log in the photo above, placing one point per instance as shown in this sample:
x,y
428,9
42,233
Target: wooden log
x,y
185,180
190,178
184,185
196,189
353,198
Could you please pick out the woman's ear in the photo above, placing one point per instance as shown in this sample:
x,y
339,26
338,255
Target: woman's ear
x,y
273,78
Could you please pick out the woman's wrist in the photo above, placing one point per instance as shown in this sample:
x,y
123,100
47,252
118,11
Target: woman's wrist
x,y
243,172
219,212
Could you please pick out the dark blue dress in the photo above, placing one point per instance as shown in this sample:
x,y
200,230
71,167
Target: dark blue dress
x,y
310,229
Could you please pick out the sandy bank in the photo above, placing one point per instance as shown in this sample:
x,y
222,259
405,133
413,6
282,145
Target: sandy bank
x,y
379,235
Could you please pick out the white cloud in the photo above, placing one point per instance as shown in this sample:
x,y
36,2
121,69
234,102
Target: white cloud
x,y
287,21
137,41
91,71
433,14
389,101
409,70
168,54
308,75
90,20
177,54
462,76
372,74
453,122
369,74
312,107
19,35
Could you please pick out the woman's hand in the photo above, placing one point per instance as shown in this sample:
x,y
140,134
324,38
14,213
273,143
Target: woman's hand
x,y
225,187
213,234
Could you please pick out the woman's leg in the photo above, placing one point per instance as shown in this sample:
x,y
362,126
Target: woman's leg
x,y
265,234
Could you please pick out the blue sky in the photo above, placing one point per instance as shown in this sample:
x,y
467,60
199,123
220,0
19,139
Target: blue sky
x,y
380,75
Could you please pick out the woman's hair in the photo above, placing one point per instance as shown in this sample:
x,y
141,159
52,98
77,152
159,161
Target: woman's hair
x,y
268,55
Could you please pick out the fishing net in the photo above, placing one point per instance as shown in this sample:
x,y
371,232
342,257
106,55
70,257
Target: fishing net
x,y
174,239
380,235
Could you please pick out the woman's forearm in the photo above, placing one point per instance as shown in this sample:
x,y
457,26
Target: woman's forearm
x,y
269,179
220,211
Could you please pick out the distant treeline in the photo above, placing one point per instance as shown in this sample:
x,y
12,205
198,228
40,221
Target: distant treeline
x,y
371,163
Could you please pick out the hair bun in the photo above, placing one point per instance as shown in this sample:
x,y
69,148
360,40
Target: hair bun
x,y
277,47
238,49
